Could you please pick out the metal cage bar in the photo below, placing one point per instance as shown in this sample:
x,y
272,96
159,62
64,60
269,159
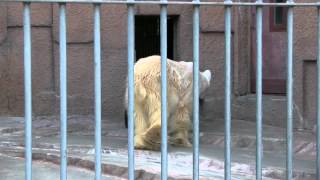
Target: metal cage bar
x,y
289,90
227,139
131,90
196,26
63,91
318,98
164,135
97,89
310,4
27,90
163,26
259,145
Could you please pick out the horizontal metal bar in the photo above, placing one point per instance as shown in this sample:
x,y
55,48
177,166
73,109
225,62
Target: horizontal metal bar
x,y
168,2
27,90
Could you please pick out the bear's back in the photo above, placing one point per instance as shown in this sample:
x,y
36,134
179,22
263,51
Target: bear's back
x,y
149,65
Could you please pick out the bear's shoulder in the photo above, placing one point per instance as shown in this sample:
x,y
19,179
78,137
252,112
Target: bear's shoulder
x,y
148,65
149,69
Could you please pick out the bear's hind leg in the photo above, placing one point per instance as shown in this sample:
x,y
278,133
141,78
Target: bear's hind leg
x,y
181,127
152,136
140,128
147,132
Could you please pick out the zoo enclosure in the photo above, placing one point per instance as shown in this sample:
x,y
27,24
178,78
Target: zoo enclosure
x,y
228,4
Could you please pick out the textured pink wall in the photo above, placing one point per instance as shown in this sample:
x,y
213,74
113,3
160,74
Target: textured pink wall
x,y
45,54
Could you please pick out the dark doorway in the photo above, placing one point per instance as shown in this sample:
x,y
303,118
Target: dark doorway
x,y
147,36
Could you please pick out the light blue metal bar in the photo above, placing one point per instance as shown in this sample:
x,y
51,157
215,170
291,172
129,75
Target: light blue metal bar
x,y
227,140
163,44
27,90
63,91
259,145
289,91
196,26
97,89
307,4
131,90
318,101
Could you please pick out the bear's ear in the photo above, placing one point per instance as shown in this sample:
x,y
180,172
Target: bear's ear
x,y
189,66
205,82
207,75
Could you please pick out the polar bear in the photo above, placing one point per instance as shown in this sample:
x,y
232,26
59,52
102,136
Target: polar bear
x,y
147,115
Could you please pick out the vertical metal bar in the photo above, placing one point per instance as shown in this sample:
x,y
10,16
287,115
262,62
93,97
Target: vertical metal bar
x,y
227,153
63,91
97,89
259,145
289,90
131,90
196,91
27,90
318,96
163,44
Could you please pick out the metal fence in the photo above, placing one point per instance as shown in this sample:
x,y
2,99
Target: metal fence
x,y
228,4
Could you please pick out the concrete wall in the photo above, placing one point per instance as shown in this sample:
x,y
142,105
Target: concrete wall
x,y
11,58
305,55
45,54
45,59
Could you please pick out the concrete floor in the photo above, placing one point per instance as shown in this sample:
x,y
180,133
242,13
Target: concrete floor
x,y
13,168
114,139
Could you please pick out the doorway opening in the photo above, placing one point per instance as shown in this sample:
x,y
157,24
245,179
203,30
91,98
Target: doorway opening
x,y
147,36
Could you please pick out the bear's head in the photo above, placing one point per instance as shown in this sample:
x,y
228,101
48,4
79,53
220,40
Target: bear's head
x,y
204,78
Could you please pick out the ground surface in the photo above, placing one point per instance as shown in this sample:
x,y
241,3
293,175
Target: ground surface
x,y
114,137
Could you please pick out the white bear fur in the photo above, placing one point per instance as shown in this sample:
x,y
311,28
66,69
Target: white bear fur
x,y
147,94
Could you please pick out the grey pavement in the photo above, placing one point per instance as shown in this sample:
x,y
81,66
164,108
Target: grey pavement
x,y
148,164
